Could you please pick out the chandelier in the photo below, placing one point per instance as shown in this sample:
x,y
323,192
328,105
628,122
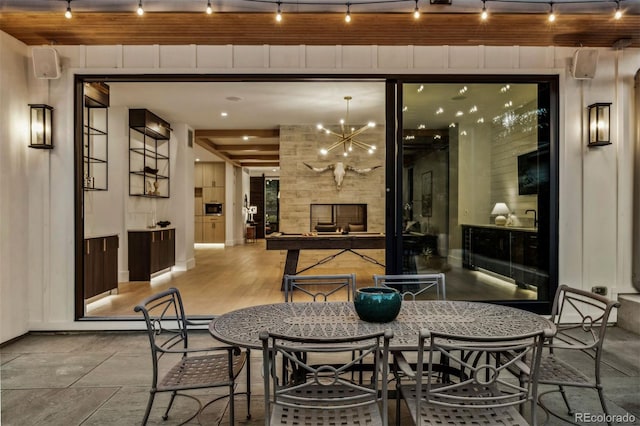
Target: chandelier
x,y
347,136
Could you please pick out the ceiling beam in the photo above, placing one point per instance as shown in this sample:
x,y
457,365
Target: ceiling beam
x,y
220,154
252,164
237,133
247,148
255,157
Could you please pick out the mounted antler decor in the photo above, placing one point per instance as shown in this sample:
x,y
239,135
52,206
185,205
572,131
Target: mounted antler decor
x,y
339,171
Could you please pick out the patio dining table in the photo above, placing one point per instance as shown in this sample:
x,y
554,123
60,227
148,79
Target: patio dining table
x,y
339,319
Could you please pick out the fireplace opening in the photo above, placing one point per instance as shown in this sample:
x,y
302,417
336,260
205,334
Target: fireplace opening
x,y
338,217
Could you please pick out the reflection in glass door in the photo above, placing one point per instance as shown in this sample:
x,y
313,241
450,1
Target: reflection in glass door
x,y
475,186
271,206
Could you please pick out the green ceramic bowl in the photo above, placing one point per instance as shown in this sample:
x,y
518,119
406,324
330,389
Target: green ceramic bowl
x,y
377,304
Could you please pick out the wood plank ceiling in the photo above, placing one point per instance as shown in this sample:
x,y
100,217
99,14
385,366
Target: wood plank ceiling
x,y
461,29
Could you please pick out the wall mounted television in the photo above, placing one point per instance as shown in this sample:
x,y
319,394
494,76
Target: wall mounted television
x,y
533,171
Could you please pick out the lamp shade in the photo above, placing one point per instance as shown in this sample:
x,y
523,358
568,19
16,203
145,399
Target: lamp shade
x,y
500,209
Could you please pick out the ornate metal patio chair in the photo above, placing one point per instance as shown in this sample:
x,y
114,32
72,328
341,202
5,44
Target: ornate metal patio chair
x,y
581,320
481,391
325,394
187,368
319,288
413,286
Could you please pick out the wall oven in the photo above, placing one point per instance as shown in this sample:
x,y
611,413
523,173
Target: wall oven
x,y
213,209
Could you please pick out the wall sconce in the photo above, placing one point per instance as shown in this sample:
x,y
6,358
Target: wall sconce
x,y
599,119
501,210
41,126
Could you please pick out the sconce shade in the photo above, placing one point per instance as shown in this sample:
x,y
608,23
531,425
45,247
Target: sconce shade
x,y
599,120
41,126
500,209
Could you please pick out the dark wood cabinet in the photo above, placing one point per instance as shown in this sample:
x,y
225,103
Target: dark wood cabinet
x,y
100,265
505,251
150,252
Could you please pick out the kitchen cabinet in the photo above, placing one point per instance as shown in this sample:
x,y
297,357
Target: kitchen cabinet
x,y
213,195
209,174
208,188
213,229
149,159
197,230
100,265
510,252
150,251
95,152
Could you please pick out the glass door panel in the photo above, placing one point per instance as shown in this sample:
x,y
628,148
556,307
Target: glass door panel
x,y
475,162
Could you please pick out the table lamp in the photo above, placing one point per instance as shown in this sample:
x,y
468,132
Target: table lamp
x,y
500,209
252,210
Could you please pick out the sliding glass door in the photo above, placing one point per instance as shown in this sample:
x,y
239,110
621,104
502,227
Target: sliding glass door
x,y
476,185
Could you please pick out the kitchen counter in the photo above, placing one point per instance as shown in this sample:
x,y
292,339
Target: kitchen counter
x,y
157,228
104,235
505,228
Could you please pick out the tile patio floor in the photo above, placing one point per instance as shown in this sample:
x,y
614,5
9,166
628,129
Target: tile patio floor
x,y
102,379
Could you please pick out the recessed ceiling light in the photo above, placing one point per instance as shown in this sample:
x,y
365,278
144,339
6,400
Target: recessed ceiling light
x,y
459,114
223,114
439,110
274,170
245,138
197,159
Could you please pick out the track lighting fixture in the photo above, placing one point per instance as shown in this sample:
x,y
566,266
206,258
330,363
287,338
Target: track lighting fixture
x,y
484,15
140,10
347,17
618,13
416,11
552,15
279,13
209,10
68,14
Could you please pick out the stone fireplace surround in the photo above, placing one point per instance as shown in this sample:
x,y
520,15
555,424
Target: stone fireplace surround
x,y
300,187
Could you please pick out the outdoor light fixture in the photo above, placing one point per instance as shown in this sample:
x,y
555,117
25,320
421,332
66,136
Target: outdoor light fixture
x,y
68,14
599,120
501,209
41,126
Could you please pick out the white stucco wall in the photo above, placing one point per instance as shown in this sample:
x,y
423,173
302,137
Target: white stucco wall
x,y
36,262
15,160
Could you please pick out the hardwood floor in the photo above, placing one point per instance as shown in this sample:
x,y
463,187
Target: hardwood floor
x,y
229,278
